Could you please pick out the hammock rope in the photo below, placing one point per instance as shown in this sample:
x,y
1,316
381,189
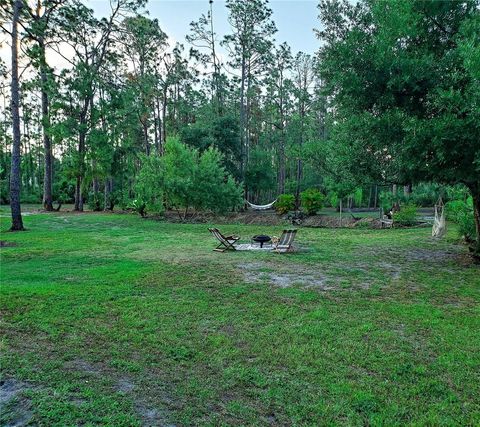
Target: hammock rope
x,y
261,207
439,225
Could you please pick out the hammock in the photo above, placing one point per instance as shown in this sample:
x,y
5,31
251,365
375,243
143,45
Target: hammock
x,y
439,226
261,207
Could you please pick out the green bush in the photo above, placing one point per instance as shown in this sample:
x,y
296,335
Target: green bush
x,y
64,190
149,186
187,180
358,197
285,203
312,200
31,197
425,194
406,216
214,189
139,206
333,199
4,192
124,201
113,198
95,201
387,199
461,213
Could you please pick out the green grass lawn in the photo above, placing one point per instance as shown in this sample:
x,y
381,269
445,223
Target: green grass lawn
x,y
113,320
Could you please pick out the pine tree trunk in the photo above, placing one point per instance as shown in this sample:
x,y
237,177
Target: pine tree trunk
x,y
145,137
155,128
164,117
15,173
95,185
242,122
47,144
407,190
78,195
299,179
159,125
106,194
79,181
81,155
281,168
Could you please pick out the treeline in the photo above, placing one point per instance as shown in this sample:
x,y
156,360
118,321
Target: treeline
x,y
390,99
123,91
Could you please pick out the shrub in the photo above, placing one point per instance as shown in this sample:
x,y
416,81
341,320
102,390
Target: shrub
x,y
124,201
358,197
425,194
139,206
214,189
31,198
387,199
4,192
95,201
285,203
407,215
312,200
149,186
333,199
113,198
64,190
198,181
461,213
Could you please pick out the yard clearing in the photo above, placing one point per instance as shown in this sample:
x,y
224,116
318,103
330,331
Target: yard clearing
x,y
114,320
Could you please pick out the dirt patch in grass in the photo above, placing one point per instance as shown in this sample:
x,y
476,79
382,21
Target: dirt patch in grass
x,y
287,276
124,385
398,260
151,417
394,270
430,255
82,366
146,411
5,244
327,221
15,406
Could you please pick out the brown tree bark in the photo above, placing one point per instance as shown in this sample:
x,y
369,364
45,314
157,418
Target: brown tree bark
x,y
407,190
78,185
47,143
81,155
243,152
145,136
164,117
15,172
281,167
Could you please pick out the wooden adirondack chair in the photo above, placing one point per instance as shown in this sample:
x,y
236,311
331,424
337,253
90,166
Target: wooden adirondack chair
x,y
226,242
285,242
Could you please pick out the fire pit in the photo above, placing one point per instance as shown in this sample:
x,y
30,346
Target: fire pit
x,y
261,238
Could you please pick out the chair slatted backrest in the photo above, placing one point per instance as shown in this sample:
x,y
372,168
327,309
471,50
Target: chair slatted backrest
x,y
286,239
218,235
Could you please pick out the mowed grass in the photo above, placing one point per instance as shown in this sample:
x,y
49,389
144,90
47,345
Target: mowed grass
x,y
113,320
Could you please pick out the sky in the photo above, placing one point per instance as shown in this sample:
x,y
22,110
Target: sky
x,y
295,19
